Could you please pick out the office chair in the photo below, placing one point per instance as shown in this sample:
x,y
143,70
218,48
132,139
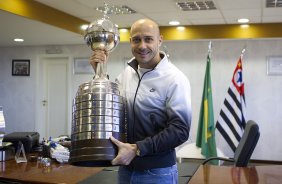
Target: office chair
x,y
245,147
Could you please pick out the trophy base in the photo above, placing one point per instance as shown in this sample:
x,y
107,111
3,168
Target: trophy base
x,y
93,153
92,163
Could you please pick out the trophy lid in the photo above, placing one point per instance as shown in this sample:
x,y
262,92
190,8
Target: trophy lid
x,y
102,25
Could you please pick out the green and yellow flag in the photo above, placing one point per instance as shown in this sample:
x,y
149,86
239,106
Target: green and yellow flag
x,y
205,134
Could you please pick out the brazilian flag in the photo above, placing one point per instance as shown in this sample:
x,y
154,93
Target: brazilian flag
x,y
205,134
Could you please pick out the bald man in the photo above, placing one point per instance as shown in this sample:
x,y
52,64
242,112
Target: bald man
x,y
158,99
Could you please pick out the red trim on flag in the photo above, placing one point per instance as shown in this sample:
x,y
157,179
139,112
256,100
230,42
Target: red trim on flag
x,y
237,79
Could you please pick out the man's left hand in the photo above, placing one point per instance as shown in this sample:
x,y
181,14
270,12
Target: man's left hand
x,y
126,152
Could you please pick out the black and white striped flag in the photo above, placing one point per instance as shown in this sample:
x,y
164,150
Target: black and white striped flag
x,y
231,122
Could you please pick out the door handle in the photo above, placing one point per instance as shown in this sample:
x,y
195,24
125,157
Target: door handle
x,y
44,102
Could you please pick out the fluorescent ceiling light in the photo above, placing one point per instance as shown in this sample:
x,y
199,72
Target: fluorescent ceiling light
x,y
123,30
244,26
196,5
174,23
18,40
84,27
243,20
180,28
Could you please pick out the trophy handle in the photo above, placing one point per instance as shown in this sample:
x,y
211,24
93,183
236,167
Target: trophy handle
x,y
101,71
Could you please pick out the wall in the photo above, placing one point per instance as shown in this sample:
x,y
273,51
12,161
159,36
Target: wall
x,y
263,92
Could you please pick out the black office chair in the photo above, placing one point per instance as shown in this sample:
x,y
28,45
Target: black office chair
x,y
245,147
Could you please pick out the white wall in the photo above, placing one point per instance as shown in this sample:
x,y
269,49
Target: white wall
x,y
263,92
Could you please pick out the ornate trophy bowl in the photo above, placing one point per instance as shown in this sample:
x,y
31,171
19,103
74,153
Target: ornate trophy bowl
x,y
102,34
98,108
102,39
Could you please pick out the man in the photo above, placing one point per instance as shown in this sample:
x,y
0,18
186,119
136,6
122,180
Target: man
x,y
158,107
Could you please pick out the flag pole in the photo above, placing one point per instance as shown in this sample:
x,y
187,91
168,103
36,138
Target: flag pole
x,y
242,52
210,49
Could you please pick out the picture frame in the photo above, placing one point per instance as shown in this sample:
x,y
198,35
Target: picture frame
x,y
274,65
82,66
21,67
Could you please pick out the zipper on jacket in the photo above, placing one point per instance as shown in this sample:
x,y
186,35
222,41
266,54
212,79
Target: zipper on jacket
x,y
133,106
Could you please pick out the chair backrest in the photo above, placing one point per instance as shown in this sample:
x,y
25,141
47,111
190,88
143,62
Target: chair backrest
x,y
247,144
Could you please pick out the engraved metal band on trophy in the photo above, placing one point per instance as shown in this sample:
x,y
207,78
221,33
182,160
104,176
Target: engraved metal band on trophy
x,y
98,97
97,127
99,112
98,104
91,135
95,119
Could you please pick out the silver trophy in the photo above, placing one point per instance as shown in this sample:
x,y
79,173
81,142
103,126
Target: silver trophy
x,y
98,108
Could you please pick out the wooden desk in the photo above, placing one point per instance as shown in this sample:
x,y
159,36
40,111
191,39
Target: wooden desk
x,y
207,174
33,172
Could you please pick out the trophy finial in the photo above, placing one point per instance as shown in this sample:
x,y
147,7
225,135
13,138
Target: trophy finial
x,y
106,11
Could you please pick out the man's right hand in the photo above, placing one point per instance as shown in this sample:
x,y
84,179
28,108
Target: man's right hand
x,y
98,56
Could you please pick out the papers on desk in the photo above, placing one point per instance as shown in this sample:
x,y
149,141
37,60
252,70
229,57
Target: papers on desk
x,y
2,125
2,120
59,152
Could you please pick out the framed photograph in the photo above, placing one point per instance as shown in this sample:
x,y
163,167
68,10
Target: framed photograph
x,y
274,65
21,67
82,66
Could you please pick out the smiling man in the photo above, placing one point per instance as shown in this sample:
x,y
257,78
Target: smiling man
x,y
158,99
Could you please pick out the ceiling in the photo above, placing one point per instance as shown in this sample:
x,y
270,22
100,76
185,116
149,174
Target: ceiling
x,y
35,32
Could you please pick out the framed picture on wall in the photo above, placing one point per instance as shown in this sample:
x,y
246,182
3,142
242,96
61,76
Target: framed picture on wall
x,y
82,66
274,65
21,67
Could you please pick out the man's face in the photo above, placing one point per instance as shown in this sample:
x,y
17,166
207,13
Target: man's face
x,y
145,41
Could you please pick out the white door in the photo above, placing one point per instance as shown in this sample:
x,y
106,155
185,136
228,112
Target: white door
x,y
54,120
